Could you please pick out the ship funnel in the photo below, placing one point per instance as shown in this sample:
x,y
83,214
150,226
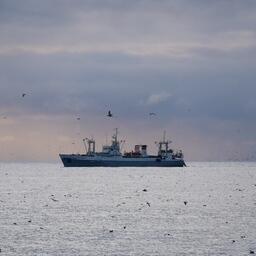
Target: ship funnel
x,y
144,150
141,149
137,148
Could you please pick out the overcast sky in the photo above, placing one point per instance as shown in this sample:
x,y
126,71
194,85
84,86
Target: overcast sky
x,y
192,62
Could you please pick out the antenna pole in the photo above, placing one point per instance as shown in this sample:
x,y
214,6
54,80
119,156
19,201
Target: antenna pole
x,y
115,135
106,139
85,146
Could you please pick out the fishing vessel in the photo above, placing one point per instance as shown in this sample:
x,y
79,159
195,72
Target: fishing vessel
x,y
111,155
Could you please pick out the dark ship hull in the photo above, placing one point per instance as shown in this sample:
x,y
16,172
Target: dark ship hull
x,y
85,161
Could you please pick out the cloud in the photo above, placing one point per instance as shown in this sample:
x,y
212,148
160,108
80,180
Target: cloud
x,y
147,28
7,138
157,98
193,62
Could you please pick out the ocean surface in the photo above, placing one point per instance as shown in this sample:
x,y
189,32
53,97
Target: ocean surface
x,y
202,209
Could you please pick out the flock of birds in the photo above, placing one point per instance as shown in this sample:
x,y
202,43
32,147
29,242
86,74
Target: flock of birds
x,y
186,203
109,113
4,116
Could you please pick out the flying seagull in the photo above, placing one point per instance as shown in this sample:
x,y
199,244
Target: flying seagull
x,y
109,114
3,116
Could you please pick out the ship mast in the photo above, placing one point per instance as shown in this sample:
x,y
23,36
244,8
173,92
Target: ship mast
x,y
163,145
91,146
115,143
164,136
86,150
115,135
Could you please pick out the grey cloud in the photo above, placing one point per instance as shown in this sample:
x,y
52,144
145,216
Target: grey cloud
x,y
121,25
85,57
61,83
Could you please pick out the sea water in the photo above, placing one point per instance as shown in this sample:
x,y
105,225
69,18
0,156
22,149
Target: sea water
x,y
202,209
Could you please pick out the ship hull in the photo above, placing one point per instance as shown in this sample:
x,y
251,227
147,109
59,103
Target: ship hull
x,y
80,161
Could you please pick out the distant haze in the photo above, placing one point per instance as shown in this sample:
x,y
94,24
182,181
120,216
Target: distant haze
x,y
192,62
